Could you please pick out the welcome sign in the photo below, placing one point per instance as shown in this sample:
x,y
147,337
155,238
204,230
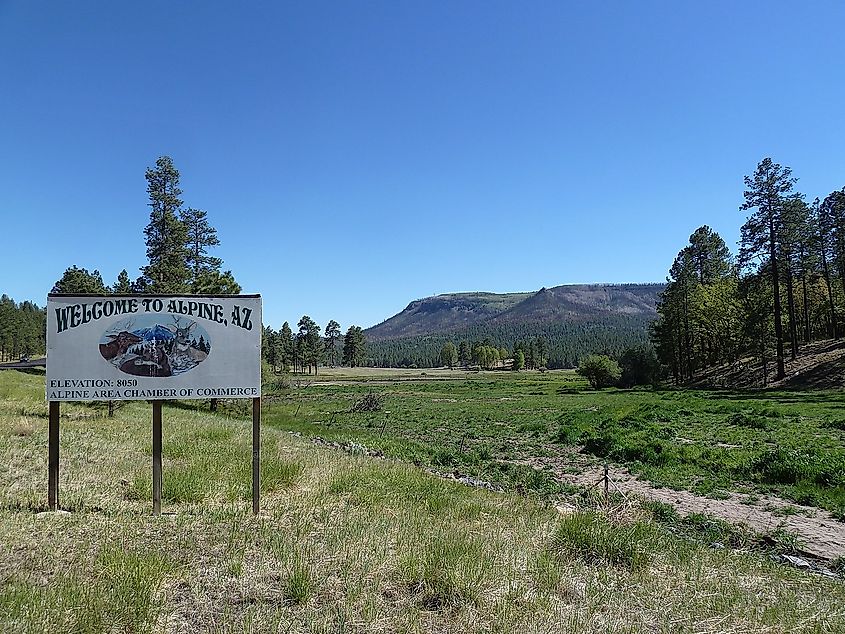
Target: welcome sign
x,y
153,347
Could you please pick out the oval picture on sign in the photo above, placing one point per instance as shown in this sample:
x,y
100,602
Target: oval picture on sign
x,y
146,345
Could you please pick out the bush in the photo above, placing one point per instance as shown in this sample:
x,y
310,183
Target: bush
x,y
639,366
753,421
600,370
794,466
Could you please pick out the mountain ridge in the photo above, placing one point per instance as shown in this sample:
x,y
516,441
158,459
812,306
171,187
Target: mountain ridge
x,y
571,319
450,312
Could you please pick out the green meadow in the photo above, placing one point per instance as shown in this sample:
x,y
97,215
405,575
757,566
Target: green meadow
x,y
347,542
490,425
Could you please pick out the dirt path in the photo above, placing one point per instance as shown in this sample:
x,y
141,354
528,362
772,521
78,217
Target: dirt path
x,y
821,535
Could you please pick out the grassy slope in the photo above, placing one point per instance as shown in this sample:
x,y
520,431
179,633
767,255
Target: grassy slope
x,y
344,544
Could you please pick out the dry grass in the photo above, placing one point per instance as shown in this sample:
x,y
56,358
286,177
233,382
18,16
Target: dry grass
x,y
343,544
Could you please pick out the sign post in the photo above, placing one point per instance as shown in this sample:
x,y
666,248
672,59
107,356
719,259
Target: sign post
x,y
256,454
156,457
153,348
53,458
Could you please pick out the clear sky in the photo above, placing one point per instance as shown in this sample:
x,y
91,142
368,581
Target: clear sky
x,y
355,156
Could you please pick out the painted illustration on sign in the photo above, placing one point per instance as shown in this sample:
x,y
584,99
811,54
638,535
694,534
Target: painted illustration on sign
x,y
146,345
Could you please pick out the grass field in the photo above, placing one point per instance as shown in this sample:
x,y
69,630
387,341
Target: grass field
x,y
348,543
491,425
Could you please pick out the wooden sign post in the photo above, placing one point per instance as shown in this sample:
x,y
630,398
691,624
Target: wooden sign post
x,y
156,457
53,458
256,454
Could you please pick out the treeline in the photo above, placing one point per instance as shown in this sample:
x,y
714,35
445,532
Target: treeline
x,y
565,342
785,287
285,351
22,329
178,240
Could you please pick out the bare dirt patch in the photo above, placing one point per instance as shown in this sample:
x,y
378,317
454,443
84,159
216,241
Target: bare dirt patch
x,y
818,532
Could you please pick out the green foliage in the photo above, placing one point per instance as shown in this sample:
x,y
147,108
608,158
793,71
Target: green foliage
x,y
485,356
215,283
333,335
298,583
354,346
600,370
123,285
649,438
639,366
444,570
310,344
22,329
166,235
565,341
592,537
449,354
178,241
699,310
797,466
77,281
200,236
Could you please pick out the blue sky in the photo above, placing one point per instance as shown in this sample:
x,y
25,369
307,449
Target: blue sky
x,y
355,156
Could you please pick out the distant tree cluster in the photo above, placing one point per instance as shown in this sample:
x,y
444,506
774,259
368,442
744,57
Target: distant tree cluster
x,y
22,328
305,350
786,287
550,345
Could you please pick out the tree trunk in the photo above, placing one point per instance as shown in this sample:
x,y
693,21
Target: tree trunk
x,y
793,326
781,371
806,311
826,270
687,337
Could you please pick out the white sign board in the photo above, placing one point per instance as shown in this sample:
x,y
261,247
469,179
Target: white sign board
x,y
151,347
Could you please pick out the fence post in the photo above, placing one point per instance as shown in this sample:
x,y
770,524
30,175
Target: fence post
x,y
606,484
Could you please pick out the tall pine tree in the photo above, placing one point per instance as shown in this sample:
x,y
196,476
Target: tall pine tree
x,y
166,235
766,192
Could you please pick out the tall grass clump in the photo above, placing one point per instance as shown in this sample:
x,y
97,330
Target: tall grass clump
x,y
444,569
132,580
120,594
297,583
595,539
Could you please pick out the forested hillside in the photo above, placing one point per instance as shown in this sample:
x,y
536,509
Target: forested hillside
x,y
554,327
22,327
783,290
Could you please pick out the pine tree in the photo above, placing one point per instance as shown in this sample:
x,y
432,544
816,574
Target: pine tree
x,y
166,235
761,234
824,222
332,334
354,345
123,285
216,283
79,281
464,354
286,345
309,335
200,237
